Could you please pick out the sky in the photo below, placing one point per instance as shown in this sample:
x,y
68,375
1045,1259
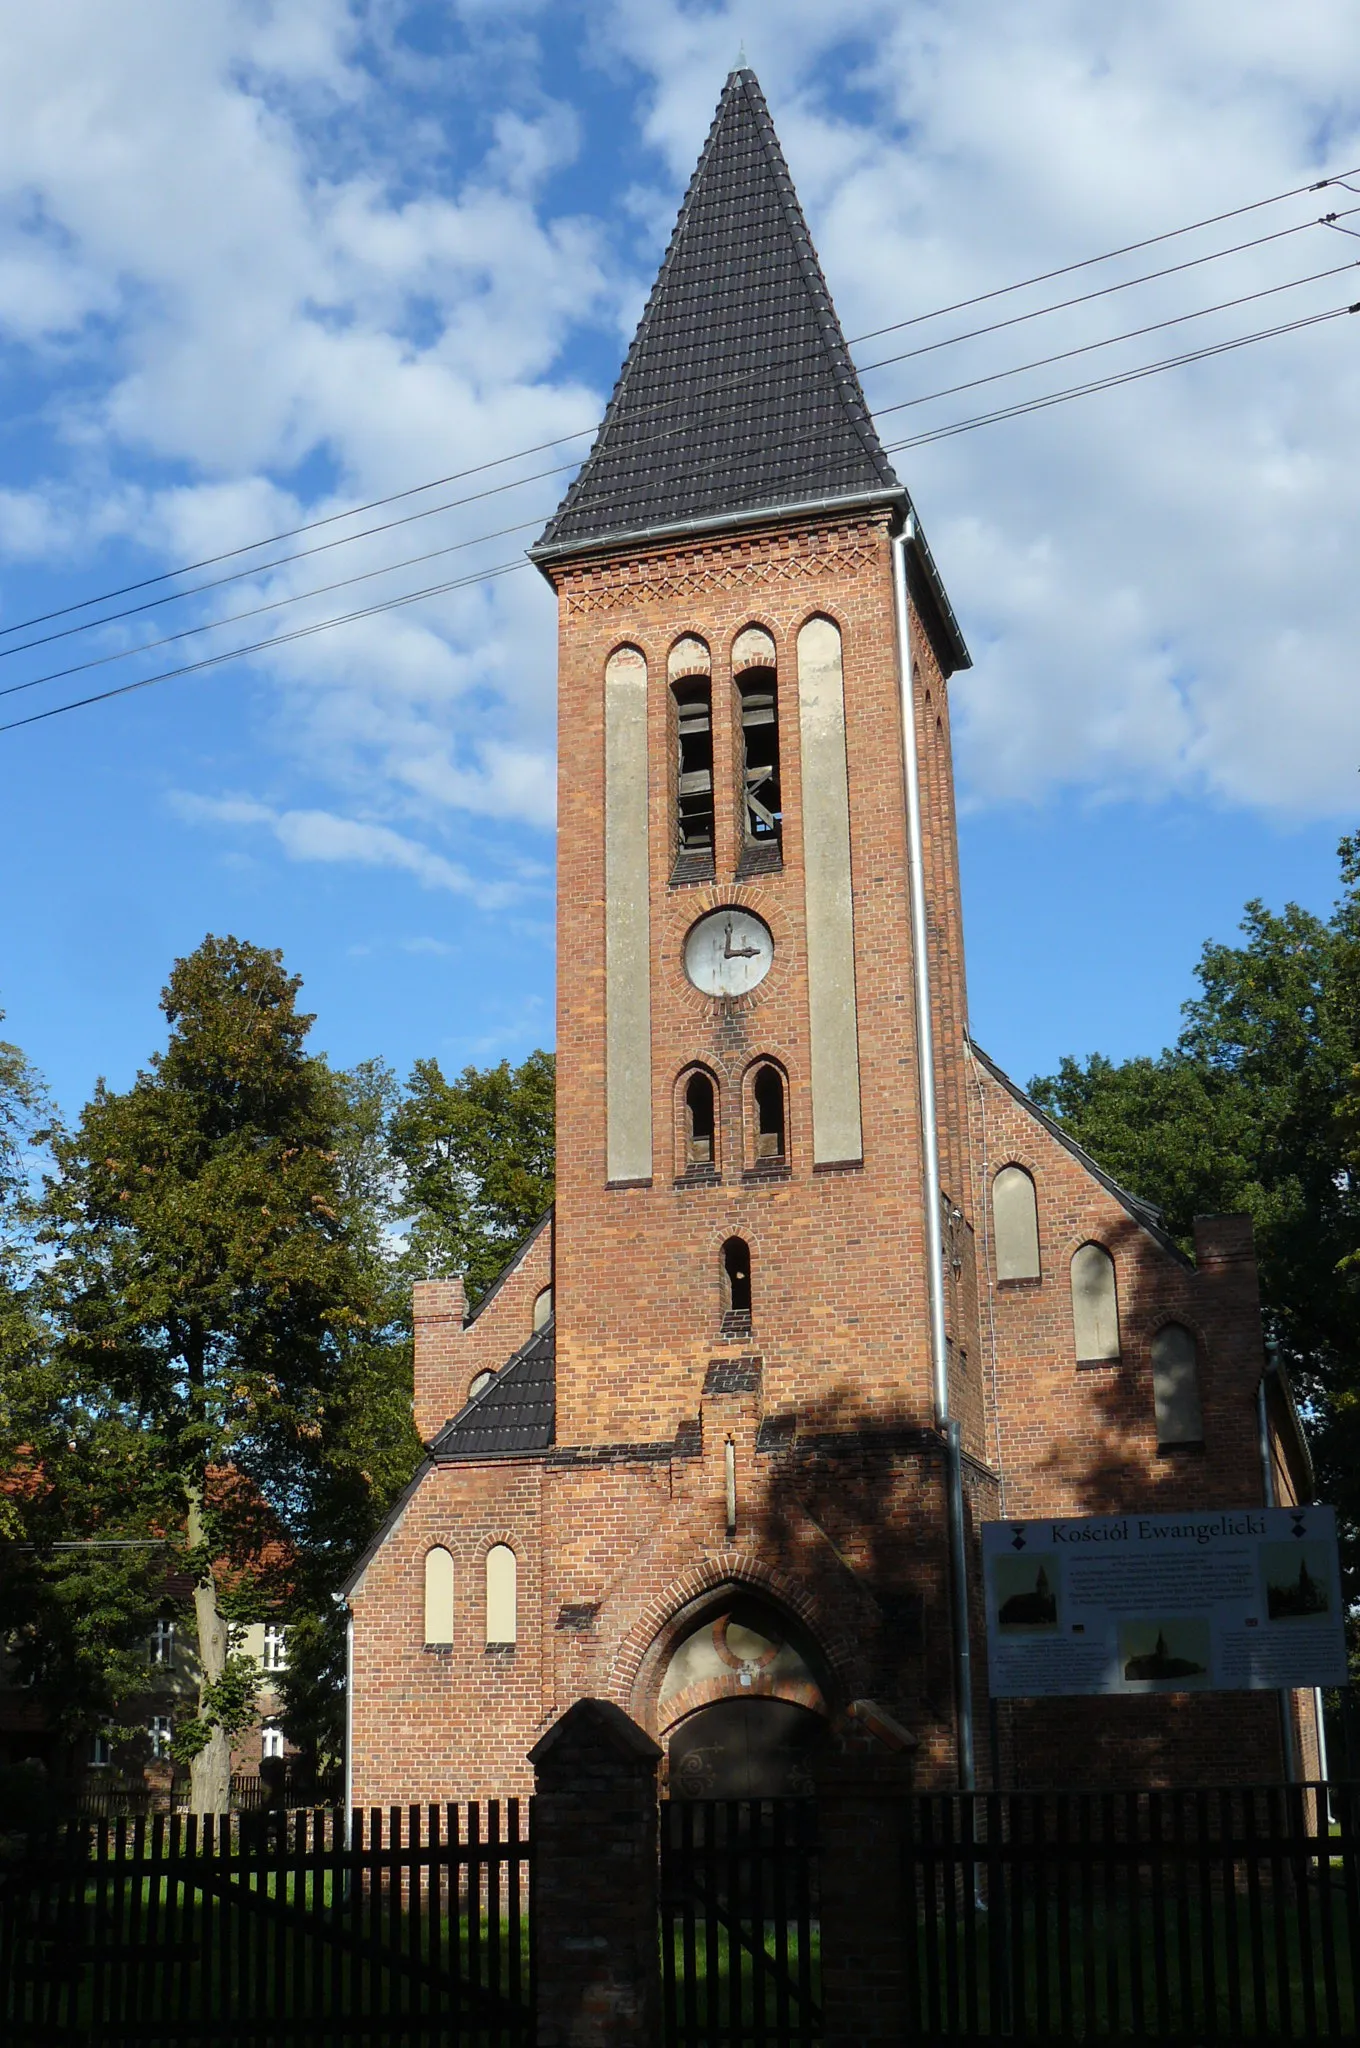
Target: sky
x,y
261,264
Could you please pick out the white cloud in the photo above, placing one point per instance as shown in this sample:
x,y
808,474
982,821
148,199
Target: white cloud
x,y
243,251
314,835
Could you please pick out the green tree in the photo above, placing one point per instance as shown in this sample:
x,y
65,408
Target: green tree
x,y
478,1161
224,1325
1256,1108
24,1114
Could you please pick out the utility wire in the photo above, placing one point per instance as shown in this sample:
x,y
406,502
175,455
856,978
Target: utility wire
x,y
508,568
430,511
1326,220
1028,405
561,440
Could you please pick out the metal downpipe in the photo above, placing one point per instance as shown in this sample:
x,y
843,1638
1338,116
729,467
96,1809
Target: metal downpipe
x,y
930,1164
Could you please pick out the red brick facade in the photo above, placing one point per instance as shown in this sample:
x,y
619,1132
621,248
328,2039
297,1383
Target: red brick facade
x,y
624,1526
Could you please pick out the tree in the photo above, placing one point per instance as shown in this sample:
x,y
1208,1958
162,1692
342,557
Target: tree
x,y
1256,1108
478,1159
221,1320
24,1114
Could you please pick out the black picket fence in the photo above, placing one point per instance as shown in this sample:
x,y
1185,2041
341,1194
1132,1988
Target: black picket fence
x,y
278,1928
1188,1916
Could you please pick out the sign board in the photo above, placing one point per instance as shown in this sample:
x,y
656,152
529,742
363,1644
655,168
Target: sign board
x,y
1239,1601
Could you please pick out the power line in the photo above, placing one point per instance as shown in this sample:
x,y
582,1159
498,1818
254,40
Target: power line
x,y
501,533
561,440
508,568
1028,405
1326,220
1110,340
190,668
56,675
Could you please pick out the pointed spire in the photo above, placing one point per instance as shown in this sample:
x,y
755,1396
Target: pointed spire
x,y
738,396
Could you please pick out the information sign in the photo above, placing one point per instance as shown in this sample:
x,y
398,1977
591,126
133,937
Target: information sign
x,y
1242,1600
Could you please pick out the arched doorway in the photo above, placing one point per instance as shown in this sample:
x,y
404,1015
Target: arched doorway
x,y
742,1703
746,1749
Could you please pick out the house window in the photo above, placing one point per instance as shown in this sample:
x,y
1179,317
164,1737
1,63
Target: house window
x,y
275,1655
478,1381
700,1121
543,1308
271,1741
1095,1306
768,1097
160,1732
101,1750
1175,1386
502,1617
162,1650
736,1256
1015,1224
438,1599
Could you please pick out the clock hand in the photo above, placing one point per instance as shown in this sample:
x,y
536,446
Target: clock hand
x,y
731,952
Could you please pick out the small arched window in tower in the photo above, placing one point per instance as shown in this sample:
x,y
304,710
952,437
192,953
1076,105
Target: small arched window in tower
x,y
543,1308
479,1383
1175,1386
1015,1224
767,1095
1095,1306
700,1123
692,699
502,1600
438,1599
736,1255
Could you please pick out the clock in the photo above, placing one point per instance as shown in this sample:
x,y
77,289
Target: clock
x,y
728,952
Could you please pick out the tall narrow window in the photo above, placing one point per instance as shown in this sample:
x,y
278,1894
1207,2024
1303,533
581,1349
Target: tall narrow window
x,y
1015,1224
763,818
162,1653
161,1733
1175,1386
543,1308
438,1599
700,1122
274,1656
694,767
501,1596
736,1254
1095,1306
768,1097
271,1742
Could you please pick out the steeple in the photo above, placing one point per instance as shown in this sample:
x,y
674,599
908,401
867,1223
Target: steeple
x,y
738,396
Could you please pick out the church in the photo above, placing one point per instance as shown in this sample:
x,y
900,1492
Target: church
x,y
823,1291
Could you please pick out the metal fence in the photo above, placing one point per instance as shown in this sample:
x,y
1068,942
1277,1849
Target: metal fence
x,y
1170,1916
281,1928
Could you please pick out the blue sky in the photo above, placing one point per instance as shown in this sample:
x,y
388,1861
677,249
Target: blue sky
x,y
259,263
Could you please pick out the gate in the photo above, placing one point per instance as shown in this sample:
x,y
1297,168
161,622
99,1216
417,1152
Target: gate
x,y
740,1957
271,1929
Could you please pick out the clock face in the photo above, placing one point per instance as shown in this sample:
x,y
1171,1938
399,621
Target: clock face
x,y
728,952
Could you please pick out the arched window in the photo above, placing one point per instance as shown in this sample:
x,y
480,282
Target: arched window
x,y
438,1599
1095,1306
700,1121
543,1308
1175,1386
688,669
1015,1224
736,1254
767,1095
753,666
501,1595
479,1381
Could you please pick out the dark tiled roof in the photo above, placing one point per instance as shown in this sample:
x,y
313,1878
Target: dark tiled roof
x,y
511,1416
738,393
1145,1213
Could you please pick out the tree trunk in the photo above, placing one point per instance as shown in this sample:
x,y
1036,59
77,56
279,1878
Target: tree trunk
x,y
210,1771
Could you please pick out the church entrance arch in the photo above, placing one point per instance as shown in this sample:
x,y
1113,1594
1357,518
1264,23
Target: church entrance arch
x,y
742,1704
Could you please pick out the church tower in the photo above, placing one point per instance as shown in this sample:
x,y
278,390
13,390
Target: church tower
x,y
823,1290
739,1120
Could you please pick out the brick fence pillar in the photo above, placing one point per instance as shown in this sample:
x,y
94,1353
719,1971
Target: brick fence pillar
x,y
865,1920
594,1920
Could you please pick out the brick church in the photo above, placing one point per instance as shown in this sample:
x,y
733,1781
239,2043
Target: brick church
x,y
823,1290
